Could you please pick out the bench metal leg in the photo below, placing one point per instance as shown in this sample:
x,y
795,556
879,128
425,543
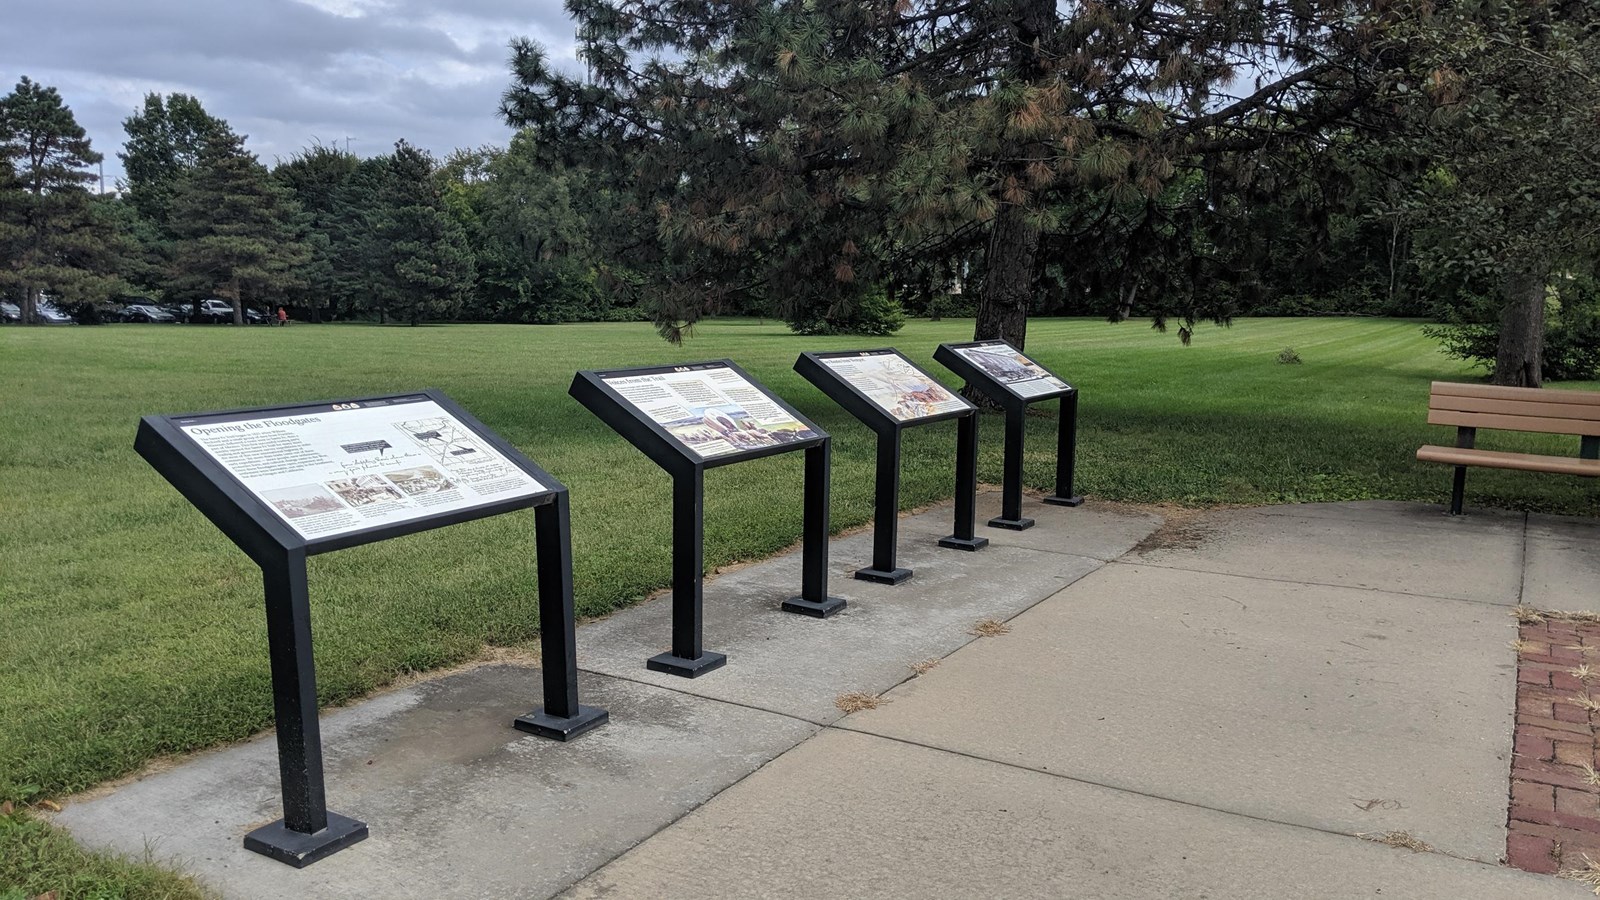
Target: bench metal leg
x,y
1457,490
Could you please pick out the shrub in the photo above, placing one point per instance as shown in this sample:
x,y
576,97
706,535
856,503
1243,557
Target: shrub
x,y
872,315
1289,357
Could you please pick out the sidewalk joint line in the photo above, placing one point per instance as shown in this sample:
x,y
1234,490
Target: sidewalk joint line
x,y
1348,587
1127,790
688,693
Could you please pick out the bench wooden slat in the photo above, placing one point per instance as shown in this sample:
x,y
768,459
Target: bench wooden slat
x,y
1498,392
1553,409
1513,423
1496,459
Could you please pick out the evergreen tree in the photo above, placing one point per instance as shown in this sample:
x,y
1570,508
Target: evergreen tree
x,y
237,231
807,149
52,236
316,177
421,265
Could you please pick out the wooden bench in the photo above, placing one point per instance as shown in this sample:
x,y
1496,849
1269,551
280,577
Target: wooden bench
x,y
1473,406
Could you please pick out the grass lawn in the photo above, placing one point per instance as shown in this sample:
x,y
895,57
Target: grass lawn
x,y
129,628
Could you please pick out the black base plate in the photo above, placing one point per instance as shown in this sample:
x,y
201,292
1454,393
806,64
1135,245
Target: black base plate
x,y
299,849
957,543
884,576
686,668
1063,501
1022,524
812,608
545,725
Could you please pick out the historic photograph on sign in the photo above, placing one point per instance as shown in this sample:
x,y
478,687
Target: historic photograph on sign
x,y
713,412
302,500
1009,367
351,466
421,480
365,491
901,389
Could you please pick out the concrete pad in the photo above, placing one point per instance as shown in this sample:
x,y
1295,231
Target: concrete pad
x,y
1563,564
854,816
1338,709
797,665
459,803
1095,530
1411,550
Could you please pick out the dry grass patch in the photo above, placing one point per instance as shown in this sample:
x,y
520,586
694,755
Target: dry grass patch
x,y
924,667
1398,839
1526,615
1588,875
855,701
989,628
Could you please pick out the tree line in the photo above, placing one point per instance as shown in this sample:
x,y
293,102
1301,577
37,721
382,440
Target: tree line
x,y
486,234
843,163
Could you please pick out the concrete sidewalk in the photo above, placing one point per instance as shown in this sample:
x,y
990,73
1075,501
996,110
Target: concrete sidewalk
x,y
1237,704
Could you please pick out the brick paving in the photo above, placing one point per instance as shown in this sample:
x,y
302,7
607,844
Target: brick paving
x,y
1554,817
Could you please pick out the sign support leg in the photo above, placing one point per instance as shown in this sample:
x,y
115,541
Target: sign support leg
x,y
814,600
688,658
966,517
886,515
308,831
562,717
1066,453
1011,517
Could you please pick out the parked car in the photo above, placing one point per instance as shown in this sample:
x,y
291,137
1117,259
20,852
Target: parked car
x,y
10,312
144,312
256,317
49,315
218,311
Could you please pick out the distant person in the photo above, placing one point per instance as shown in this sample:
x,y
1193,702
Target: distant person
x,y
283,316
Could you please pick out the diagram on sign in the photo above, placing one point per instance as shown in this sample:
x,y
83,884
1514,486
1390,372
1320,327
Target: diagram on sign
x,y
713,411
1006,365
895,385
443,439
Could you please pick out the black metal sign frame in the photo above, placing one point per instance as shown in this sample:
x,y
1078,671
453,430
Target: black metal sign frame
x,y
888,428
308,831
1016,410
688,657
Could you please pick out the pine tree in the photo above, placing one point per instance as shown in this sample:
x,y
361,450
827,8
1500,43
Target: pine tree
x,y
52,236
316,177
808,149
422,265
237,231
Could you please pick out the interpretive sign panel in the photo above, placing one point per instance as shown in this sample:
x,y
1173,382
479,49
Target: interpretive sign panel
x,y
1008,366
711,409
894,384
338,468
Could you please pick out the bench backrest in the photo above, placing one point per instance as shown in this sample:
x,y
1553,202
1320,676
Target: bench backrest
x,y
1514,408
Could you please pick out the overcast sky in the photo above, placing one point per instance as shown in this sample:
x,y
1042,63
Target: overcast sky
x,y
285,72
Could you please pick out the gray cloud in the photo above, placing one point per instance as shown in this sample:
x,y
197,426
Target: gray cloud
x,y
286,72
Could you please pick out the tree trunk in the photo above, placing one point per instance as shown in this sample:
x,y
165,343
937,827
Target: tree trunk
x,y
238,306
30,305
1008,278
1519,360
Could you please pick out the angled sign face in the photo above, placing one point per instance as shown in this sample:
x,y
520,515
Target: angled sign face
x,y
1009,368
336,474
707,413
893,384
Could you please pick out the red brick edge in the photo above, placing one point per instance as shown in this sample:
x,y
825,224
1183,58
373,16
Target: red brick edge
x,y
1554,817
